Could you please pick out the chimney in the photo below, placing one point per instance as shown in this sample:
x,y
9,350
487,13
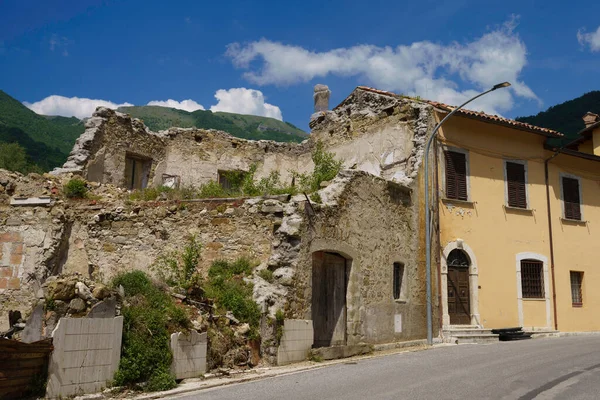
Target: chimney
x,y
321,98
589,118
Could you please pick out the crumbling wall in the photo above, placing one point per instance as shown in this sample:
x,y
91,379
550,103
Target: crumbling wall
x,y
196,156
371,222
378,133
99,153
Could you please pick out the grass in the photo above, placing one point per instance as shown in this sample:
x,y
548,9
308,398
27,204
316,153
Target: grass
x,y
150,316
266,274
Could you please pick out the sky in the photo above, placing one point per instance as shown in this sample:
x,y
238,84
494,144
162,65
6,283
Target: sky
x,y
65,57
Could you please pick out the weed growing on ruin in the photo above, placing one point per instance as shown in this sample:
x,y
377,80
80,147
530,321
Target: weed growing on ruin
x,y
267,275
326,168
212,189
226,286
75,189
179,269
164,192
150,316
279,319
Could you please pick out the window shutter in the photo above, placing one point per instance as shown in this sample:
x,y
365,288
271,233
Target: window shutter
x,y
456,175
515,182
571,198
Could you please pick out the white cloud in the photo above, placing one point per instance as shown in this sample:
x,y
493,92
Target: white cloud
x,y
591,39
431,70
60,43
70,106
245,101
187,105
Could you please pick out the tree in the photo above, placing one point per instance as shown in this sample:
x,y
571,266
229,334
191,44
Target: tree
x,y
13,157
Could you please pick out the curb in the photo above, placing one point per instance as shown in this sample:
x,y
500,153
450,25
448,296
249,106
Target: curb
x,y
263,373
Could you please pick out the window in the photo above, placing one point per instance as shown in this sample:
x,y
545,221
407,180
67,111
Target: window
x,y
398,275
456,175
516,188
137,171
571,198
532,280
576,295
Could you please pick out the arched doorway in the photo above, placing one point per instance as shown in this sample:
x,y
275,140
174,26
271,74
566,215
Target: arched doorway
x,y
329,284
459,304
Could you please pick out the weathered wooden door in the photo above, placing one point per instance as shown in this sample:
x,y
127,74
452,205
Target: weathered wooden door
x,y
459,308
329,281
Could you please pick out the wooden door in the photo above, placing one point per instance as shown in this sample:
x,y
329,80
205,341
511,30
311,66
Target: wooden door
x,y
459,308
329,299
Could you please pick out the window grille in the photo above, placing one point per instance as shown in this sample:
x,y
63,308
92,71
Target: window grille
x,y
515,183
458,258
456,175
532,280
571,199
398,274
576,295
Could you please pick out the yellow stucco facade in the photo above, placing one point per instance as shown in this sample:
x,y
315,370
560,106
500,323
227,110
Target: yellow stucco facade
x,y
498,238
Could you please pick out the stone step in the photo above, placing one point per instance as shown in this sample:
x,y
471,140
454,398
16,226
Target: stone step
x,y
478,331
473,339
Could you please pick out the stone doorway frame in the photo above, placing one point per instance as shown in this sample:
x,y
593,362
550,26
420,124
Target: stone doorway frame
x,y
473,282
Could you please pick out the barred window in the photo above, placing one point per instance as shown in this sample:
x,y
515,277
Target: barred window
x,y
532,279
398,274
576,295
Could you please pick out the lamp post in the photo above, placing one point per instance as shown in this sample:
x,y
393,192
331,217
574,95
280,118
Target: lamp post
x,y
427,212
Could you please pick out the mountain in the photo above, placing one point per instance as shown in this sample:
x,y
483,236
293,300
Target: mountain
x,y
47,141
566,117
244,126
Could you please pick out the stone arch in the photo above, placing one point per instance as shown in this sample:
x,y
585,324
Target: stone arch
x,y
473,282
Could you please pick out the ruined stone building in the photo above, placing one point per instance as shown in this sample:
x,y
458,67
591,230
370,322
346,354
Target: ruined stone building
x,y
352,263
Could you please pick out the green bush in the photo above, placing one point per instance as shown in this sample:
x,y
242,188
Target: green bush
x,y
150,316
75,189
266,274
226,286
180,269
326,168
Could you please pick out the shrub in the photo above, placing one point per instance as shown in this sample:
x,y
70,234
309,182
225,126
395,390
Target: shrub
x,y
326,168
266,274
75,189
180,269
226,286
150,316
212,189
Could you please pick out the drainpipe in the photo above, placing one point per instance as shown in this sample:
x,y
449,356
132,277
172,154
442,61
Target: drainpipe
x,y
427,211
550,234
551,240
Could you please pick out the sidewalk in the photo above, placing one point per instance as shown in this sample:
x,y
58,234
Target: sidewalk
x,y
211,380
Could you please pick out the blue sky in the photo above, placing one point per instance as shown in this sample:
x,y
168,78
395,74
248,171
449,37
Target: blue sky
x,y
263,57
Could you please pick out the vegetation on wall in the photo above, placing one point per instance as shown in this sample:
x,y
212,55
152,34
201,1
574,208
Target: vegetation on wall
x,y
245,184
150,316
76,188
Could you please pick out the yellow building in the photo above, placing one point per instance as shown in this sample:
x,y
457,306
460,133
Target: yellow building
x,y
517,220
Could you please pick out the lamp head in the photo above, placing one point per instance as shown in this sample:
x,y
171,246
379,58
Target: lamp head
x,y
501,85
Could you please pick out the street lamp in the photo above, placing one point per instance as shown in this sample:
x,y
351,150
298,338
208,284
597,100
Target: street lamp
x,y
427,213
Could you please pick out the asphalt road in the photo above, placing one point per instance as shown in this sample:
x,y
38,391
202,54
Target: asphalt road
x,y
553,368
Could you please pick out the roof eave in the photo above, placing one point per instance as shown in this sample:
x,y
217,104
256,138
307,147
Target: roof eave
x,y
505,124
573,153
